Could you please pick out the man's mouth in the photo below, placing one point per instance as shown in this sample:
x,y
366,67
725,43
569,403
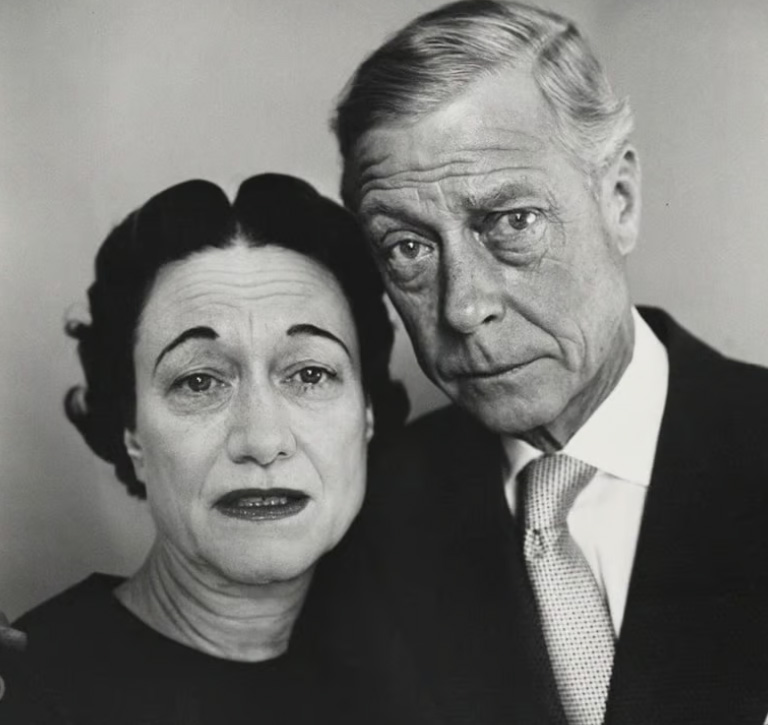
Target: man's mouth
x,y
486,373
256,504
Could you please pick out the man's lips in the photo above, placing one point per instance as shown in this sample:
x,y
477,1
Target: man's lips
x,y
256,504
483,373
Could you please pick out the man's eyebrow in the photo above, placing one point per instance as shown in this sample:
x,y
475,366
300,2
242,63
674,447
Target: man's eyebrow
x,y
379,207
481,199
193,333
376,207
306,328
502,194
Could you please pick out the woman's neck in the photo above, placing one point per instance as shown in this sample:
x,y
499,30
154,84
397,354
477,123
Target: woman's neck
x,y
204,611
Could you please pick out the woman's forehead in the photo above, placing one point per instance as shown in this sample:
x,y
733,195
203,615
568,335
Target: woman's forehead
x,y
264,288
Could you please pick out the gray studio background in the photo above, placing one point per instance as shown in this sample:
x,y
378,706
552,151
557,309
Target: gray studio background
x,y
104,103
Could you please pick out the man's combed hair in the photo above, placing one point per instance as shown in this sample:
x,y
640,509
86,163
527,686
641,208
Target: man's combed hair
x,y
437,56
270,209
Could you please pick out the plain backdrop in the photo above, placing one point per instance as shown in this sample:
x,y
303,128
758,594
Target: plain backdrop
x,y
104,103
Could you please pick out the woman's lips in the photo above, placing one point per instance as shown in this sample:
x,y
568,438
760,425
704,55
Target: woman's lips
x,y
256,504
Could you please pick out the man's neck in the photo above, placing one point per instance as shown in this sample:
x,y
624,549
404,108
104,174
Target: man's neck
x,y
552,437
249,623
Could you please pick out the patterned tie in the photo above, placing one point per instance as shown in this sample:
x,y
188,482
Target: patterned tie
x,y
574,617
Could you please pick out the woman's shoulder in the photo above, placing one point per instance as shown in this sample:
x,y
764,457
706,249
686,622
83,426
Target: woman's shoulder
x,y
76,627
87,602
66,635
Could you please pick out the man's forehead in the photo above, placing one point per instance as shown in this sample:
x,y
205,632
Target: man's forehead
x,y
498,117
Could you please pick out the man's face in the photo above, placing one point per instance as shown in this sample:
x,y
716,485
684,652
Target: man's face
x,y
505,263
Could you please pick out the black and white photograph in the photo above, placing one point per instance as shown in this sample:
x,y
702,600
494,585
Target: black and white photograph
x,y
392,362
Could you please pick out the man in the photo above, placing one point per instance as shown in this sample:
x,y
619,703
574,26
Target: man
x,y
583,537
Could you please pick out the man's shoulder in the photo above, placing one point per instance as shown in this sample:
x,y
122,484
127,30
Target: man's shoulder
x,y
442,452
433,428
715,416
446,434
704,376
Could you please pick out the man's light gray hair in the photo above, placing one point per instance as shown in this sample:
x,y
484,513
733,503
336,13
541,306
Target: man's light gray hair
x,y
438,55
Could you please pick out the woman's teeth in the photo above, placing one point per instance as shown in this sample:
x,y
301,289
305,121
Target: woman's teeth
x,y
271,501
257,505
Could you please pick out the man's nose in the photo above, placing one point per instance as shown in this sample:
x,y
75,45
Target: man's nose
x,y
260,431
473,288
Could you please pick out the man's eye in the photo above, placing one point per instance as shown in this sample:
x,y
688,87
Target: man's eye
x,y
406,260
408,250
521,219
515,230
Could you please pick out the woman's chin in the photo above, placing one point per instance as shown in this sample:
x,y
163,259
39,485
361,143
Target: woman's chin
x,y
271,563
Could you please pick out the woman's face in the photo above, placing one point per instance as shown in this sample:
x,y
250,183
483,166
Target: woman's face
x,y
251,421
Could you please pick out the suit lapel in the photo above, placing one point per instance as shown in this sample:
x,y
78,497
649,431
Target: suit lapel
x,y
694,644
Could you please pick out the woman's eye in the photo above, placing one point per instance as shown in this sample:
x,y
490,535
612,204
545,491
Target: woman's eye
x,y
197,383
313,382
313,375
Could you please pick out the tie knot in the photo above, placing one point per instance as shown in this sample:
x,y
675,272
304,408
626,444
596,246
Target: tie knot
x,y
549,486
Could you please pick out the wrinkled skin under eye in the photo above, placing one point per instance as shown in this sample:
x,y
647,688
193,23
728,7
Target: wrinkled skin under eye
x,y
200,384
405,257
198,391
408,249
313,380
313,375
197,384
514,230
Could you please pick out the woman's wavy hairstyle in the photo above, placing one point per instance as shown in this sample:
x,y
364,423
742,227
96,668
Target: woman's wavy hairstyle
x,y
270,209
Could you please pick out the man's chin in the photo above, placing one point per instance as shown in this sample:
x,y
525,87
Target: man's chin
x,y
509,417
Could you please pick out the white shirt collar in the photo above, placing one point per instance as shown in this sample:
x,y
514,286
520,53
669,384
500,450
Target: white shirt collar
x,y
620,437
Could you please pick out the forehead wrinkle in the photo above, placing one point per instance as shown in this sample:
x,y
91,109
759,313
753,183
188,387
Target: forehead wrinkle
x,y
186,302
237,276
480,139
439,169
407,180
483,191
229,290
246,289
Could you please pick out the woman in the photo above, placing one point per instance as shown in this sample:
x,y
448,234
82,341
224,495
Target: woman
x,y
235,363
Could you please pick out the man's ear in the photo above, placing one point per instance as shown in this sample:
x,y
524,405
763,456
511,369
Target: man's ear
x,y
369,427
621,199
135,452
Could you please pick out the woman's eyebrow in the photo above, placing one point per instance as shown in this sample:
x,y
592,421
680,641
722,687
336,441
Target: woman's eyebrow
x,y
200,333
309,329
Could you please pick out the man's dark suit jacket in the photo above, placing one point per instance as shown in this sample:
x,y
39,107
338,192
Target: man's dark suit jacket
x,y
444,611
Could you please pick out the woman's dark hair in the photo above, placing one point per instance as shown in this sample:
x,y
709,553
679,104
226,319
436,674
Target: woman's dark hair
x,y
270,209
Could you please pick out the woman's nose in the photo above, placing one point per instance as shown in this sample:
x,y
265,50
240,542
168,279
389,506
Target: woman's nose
x,y
260,431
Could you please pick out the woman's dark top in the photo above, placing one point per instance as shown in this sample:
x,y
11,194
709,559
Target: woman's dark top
x,y
96,663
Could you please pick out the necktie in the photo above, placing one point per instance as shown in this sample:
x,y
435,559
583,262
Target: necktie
x,y
574,617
